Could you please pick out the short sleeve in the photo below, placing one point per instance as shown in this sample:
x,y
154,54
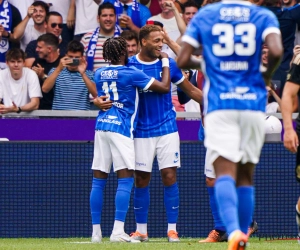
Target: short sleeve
x,y
176,74
34,88
90,75
31,49
192,35
51,71
141,80
270,24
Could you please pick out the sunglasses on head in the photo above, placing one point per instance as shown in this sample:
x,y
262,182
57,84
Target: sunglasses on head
x,y
53,25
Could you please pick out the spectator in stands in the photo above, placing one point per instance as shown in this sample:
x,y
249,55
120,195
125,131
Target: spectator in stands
x,y
288,3
26,32
291,137
288,18
49,57
167,18
130,13
72,81
131,38
84,12
54,25
10,17
62,7
19,86
93,41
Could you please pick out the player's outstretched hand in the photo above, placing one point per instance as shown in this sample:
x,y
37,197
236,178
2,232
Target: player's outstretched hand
x,y
102,103
290,140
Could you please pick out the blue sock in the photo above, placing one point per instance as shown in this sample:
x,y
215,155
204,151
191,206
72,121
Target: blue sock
x,y
141,204
96,199
246,206
123,198
226,197
214,209
171,199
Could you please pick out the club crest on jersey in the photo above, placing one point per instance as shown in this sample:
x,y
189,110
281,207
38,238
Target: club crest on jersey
x,y
109,74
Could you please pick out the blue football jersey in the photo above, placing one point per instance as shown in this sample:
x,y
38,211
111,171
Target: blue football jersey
x,y
232,34
120,84
156,116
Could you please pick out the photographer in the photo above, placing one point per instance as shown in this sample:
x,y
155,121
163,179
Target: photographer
x,y
71,80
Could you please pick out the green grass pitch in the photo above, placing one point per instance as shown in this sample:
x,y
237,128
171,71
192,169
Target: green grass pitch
x,y
153,244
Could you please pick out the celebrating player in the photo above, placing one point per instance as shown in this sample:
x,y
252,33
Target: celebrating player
x,y
232,34
114,131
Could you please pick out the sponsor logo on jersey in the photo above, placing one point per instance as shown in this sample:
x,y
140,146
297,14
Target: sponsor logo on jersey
x,y
239,93
118,105
140,164
110,119
109,74
235,13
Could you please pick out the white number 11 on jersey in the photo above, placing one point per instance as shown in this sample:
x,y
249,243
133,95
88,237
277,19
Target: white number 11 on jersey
x,y
111,88
226,45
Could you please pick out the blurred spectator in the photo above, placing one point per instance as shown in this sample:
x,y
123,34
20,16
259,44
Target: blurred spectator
x,y
130,13
167,18
62,7
71,80
10,17
19,86
47,49
53,24
26,32
153,6
288,3
85,12
132,41
93,41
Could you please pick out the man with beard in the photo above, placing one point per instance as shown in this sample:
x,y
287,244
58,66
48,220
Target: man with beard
x,y
27,33
157,134
93,41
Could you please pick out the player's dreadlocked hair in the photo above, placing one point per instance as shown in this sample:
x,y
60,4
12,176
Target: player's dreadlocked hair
x,y
114,48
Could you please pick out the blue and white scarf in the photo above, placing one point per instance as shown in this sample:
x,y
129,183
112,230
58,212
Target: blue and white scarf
x,y
135,16
6,22
93,44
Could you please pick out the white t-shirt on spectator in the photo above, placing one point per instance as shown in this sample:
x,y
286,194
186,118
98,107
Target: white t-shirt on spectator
x,y
21,91
171,27
86,16
272,107
60,6
30,34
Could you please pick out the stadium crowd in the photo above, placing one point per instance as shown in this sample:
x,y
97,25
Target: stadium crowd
x,y
50,50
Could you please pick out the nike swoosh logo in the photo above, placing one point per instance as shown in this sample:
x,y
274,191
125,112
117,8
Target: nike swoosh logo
x,y
137,208
175,207
176,161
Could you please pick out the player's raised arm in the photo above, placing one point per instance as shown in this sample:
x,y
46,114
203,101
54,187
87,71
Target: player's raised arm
x,y
163,86
185,59
274,43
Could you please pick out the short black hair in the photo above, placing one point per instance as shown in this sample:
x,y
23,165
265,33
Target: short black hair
x,y
52,13
189,3
49,39
43,5
129,35
106,5
75,46
146,30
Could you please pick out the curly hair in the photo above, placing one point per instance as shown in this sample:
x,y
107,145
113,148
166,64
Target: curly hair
x,y
114,48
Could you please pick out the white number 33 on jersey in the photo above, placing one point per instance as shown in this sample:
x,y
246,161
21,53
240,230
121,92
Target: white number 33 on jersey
x,y
227,46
